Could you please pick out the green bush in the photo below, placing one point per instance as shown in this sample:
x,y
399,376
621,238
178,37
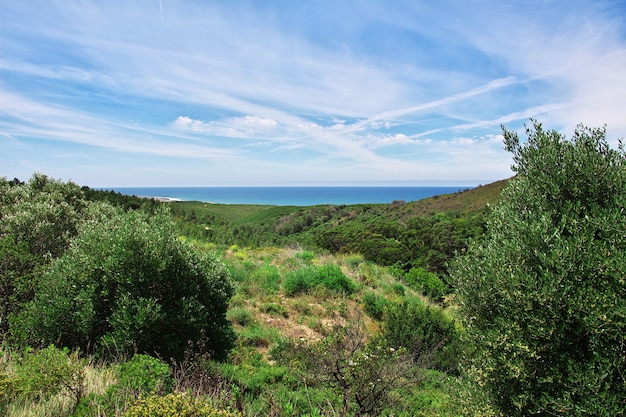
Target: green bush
x,y
129,284
140,377
269,278
252,375
176,404
240,316
41,374
329,276
38,220
306,256
426,332
543,294
428,283
298,281
332,277
275,309
374,305
362,378
257,335
144,375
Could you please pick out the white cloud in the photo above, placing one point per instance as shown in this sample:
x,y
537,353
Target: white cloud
x,y
260,122
184,122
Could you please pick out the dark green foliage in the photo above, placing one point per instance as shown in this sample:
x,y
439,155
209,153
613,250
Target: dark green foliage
x,y
544,294
145,375
128,284
329,276
38,220
428,283
374,305
426,332
127,202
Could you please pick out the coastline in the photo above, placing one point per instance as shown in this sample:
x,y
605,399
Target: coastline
x,y
289,196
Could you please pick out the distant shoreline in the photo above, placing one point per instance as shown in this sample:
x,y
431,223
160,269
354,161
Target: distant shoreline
x,y
290,196
162,199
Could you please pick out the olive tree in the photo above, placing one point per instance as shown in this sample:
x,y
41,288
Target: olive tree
x,y
38,220
127,283
543,295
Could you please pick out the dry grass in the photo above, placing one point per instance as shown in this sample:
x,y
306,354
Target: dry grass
x,y
97,378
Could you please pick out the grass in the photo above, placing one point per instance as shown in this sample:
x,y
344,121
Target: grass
x,y
96,378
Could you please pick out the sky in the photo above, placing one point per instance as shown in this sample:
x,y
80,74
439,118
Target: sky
x,y
283,92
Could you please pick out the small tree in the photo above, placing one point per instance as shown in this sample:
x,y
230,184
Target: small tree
x,y
363,375
544,294
38,220
127,283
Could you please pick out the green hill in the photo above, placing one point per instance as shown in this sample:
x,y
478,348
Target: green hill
x,y
424,233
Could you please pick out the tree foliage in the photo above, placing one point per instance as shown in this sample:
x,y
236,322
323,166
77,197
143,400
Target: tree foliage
x,y
426,332
127,283
543,295
38,220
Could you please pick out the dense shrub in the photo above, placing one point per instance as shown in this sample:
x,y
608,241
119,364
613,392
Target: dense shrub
x,y
329,276
38,220
543,295
426,332
374,305
144,375
363,377
298,281
140,377
129,284
39,375
428,283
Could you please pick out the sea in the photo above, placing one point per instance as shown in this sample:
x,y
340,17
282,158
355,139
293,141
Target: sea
x,y
290,196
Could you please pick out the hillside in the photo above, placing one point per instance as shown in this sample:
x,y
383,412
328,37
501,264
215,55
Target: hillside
x,y
424,233
467,201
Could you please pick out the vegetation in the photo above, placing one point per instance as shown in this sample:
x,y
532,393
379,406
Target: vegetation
x,y
128,284
87,275
468,304
424,234
543,294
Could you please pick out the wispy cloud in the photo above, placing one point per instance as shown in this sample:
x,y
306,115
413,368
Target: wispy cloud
x,y
214,91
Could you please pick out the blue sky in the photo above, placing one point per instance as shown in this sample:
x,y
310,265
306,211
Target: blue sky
x,y
281,92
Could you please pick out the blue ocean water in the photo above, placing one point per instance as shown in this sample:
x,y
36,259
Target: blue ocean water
x,y
291,196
